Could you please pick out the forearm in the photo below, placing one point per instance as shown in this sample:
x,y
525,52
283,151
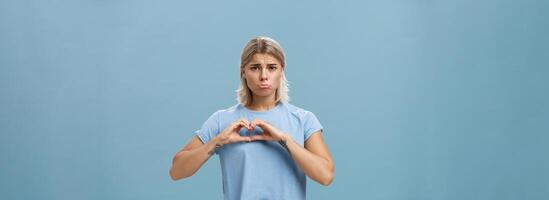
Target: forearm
x,y
317,168
187,162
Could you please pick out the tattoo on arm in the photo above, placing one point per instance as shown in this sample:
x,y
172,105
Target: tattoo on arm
x,y
283,143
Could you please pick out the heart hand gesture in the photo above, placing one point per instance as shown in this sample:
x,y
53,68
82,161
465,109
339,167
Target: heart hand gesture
x,y
269,131
231,133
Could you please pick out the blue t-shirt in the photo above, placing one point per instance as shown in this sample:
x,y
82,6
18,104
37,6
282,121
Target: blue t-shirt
x,y
261,169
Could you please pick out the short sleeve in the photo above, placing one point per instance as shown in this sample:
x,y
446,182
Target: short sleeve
x,y
209,129
311,125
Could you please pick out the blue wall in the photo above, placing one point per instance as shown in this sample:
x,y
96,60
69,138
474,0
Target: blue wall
x,y
420,99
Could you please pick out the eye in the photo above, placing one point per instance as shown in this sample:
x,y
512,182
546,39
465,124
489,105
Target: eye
x,y
272,68
253,68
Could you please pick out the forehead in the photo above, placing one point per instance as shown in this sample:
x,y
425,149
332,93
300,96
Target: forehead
x,y
259,58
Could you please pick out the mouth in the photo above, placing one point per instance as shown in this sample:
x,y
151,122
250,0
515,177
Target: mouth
x,y
264,86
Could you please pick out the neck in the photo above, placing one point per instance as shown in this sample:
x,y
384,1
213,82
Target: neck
x,y
262,103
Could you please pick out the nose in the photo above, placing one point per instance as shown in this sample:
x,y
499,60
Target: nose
x,y
264,74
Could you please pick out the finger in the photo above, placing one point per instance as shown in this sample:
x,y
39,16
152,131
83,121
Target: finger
x,y
245,121
256,122
243,124
262,124
238,124
239,138
262,137
258,137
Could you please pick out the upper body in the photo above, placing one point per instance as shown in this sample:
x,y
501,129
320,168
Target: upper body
x,y
266,145
262,169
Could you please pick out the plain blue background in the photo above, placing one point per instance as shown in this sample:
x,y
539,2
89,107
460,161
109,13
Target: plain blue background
x,y
420,99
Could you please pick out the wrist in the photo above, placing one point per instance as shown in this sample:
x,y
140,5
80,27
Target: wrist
x,y
215,144
218,141
285,138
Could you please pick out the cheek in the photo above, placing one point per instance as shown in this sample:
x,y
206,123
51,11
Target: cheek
x,y
277,79
248,76
249,80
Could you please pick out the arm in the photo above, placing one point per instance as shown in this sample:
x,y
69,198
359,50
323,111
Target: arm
x,y
187,161
314,159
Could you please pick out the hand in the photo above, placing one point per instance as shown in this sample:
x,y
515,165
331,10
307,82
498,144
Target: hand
x,y
269,131
231,133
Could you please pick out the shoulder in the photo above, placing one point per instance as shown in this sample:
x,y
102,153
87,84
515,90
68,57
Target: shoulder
x,y
298,112
230,111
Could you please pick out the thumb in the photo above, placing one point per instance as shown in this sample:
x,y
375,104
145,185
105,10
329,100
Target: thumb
x,y
261,137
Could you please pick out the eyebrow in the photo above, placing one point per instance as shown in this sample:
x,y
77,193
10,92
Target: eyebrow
x,y
257,64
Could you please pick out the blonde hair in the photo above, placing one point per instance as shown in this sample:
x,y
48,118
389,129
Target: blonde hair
x,y
262,44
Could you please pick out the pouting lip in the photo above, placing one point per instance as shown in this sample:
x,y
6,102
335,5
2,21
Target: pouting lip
x,y
264,86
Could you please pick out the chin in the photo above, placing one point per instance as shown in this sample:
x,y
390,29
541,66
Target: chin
x,y
263,93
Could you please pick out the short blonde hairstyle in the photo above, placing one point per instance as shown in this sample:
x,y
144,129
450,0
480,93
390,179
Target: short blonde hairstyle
x,y
266,45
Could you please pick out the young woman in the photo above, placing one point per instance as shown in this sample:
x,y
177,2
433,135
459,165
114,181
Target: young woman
x,y
266,146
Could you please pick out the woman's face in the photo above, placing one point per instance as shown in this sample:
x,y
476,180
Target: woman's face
x,y
263,74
